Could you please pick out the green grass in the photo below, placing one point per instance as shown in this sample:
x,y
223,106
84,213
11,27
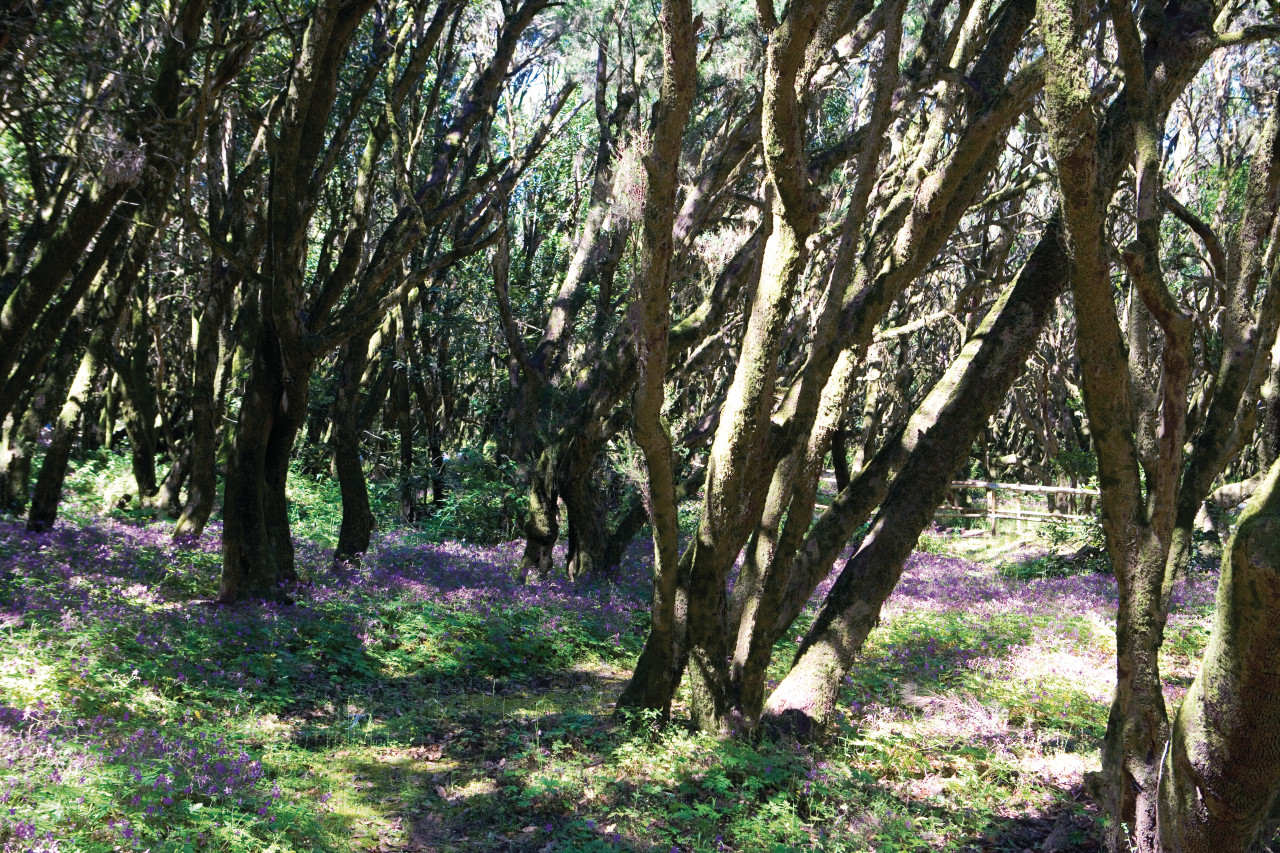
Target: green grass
x,y
470,714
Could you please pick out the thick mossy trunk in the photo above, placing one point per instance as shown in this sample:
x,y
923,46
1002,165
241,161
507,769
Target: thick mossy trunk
x,y
588,545
542,527
257,548
586,511
1221,770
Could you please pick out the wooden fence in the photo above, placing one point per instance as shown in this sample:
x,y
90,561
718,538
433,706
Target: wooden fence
x,y
993,509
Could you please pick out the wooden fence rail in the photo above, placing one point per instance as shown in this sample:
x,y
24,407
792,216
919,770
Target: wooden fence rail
x,y
993,511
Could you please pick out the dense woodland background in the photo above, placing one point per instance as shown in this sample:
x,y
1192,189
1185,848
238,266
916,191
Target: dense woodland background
x,y
605,273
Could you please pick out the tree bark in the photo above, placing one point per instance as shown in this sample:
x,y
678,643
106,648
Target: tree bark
x,y
1139,452
357,515
937,439
1221,771
206,413
657,674
1250,334
257,548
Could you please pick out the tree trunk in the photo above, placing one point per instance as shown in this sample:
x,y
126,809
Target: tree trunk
x,y
1221,771
542,527
257,548
206,411
53,470
743,453
18,436
357,515
840,456
48,491
657,673
169,496
1139,452
588,521
1250,337
140,404
402,402
936,440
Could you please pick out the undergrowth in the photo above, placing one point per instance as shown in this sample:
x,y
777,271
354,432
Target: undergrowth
x,y
429,701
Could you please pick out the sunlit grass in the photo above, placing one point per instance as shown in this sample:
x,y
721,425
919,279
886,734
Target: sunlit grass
x,y
432,702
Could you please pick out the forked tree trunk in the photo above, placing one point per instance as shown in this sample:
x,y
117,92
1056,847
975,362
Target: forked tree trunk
x,y
1137,423
744,452
257,547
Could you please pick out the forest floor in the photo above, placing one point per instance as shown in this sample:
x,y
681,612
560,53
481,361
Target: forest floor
x,y
429,702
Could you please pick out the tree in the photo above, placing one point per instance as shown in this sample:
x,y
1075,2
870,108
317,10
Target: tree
x,y
1138,437
360,280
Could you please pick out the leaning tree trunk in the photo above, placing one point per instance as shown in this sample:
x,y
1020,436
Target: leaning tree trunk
x,y
53,470
18,436
936,441
1221,771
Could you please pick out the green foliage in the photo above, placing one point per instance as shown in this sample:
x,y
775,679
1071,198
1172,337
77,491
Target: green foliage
x,y
377,714
460,644
1080,464
139,690
99,483
1085,541
486,502
315,505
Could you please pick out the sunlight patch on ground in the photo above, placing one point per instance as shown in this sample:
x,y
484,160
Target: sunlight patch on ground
x,y
978,699
1060,769
1037,663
